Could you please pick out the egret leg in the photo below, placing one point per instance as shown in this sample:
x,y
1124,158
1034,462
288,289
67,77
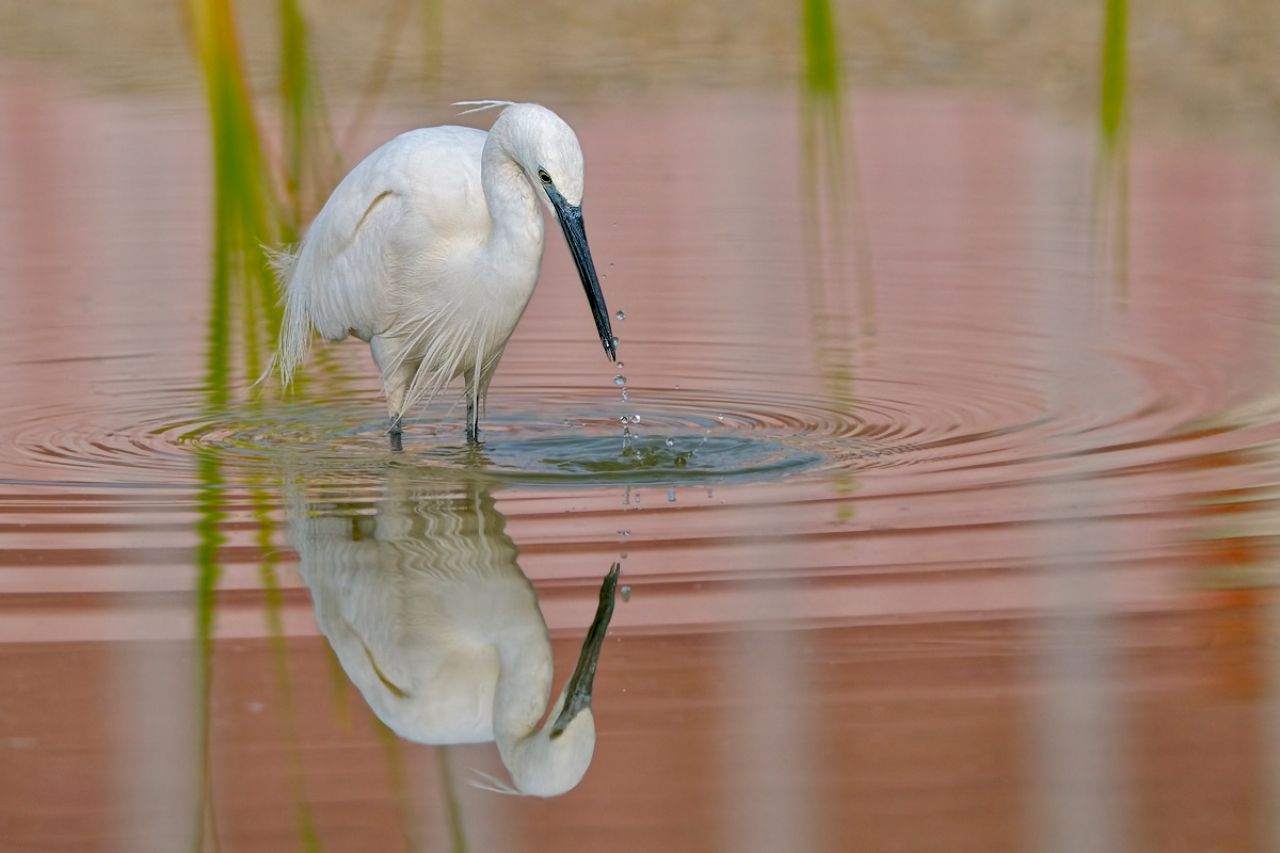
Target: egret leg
x,y
395,434
473,421
396,382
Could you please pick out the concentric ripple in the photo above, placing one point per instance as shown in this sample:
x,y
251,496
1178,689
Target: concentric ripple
x,y
939,417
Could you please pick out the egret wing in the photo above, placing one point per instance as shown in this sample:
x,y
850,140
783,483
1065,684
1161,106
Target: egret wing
x,y
349,276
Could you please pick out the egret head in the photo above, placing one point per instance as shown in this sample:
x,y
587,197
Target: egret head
x,y
549,761
545,148
546,764
547,151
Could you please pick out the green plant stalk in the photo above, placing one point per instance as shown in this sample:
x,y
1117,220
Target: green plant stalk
x,y
398,778
209,539
295,88
242,212
828,223
245,213
273,600
453,807
1111,176
1112,100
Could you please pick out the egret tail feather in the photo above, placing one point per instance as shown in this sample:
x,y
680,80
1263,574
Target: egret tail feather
x,y
295,328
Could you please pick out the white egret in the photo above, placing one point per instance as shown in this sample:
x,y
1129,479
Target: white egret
x,y
433,620
429,250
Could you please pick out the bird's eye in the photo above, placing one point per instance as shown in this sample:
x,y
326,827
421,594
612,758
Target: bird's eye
x,y
542,174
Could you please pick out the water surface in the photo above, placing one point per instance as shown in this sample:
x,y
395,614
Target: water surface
x,y
963,539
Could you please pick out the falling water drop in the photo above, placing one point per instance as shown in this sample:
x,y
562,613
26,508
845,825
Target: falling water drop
x,y
671,442
671,495
625,395
626,592
617,365
621,315
619,380
622,419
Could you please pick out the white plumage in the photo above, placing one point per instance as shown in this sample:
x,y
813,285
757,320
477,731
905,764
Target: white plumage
x,y
433,620
429,250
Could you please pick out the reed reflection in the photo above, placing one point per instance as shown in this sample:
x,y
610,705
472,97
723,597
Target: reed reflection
x,y
433,620
837,247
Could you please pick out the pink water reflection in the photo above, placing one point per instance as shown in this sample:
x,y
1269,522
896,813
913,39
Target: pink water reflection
x,y
894,700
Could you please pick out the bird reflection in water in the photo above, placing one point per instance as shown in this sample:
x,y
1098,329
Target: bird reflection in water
x,y
433,620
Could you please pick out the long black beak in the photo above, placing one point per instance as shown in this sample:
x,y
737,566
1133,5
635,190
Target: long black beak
x,y
578,693
575,234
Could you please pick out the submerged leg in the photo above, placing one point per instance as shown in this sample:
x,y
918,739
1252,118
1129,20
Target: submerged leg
x,y
473,421
395,434
395,383
475,393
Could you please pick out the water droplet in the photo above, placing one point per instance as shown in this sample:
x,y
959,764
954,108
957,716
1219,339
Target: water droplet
x,y
615,342
682,460
611,262
635,419
626,593
624,532
619,380
626,495
617,365
621,315
671,495
671,442
625,396
622,419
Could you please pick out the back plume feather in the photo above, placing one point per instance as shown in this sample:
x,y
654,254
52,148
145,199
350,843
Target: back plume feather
x,y
481,106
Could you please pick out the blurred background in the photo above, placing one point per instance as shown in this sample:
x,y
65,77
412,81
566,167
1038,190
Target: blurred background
x,y
950,482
